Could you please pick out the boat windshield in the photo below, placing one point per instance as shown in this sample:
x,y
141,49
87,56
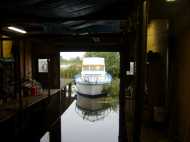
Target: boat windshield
x,y
93,67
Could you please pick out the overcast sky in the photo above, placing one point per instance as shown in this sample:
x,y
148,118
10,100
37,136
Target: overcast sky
x,y
69,55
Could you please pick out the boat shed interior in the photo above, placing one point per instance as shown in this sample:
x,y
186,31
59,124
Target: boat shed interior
x,y
155,35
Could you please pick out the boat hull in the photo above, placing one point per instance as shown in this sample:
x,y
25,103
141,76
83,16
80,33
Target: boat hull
x,y
92,84
90,89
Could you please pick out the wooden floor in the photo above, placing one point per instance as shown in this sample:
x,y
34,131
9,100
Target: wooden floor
x,y
153,135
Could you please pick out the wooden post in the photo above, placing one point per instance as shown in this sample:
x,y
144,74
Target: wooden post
x,y
1,72
70,90
18,73
122,119
49,78
1,47
55,134
65,91
172,85
140,70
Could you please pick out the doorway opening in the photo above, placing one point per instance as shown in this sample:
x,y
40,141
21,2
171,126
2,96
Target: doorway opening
x,y
96,105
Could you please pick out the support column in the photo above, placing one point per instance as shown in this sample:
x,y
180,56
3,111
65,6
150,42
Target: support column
x,y
123,137
18,80
49,76
140,70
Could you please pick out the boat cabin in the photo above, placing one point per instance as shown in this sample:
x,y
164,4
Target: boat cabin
x,y
93,65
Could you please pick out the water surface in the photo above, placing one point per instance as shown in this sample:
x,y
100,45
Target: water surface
x,y
90,120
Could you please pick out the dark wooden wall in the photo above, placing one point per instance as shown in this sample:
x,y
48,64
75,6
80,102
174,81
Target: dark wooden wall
x,y
49,48
40,51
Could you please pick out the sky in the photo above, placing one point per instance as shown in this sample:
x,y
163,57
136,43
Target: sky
x,y
70,55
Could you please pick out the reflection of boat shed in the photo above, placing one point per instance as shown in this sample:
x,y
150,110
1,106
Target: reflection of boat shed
x,y
92,115
92,104
91,109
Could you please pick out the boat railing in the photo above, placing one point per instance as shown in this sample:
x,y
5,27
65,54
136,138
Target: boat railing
x,y
93,78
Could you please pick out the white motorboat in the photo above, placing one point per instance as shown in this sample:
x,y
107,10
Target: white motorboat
x,y
93,77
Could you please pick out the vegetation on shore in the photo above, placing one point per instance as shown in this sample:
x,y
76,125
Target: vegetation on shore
x,y
112,62
74,65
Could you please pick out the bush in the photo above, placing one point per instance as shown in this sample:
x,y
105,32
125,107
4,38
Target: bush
x,y
113,89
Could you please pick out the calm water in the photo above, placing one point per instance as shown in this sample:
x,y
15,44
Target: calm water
x,y
90,120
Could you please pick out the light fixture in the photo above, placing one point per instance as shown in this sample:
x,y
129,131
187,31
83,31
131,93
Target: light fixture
x,y
82,34
17,29
170,0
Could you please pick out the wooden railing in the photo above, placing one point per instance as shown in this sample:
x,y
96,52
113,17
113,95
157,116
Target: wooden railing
x,y
67,90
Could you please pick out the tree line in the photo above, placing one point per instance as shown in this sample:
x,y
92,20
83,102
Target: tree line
x,y
112,62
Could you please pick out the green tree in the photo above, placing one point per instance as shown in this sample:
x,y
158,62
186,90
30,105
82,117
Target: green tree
x,y
70,72
73,69
76,60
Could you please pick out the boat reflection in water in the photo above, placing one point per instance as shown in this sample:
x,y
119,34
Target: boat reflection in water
x,y
91,120
92,109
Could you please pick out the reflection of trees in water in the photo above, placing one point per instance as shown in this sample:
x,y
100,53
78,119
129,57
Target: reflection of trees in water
x,y
112,102
94,109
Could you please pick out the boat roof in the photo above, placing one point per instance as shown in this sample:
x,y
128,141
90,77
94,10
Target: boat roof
x,y
93,61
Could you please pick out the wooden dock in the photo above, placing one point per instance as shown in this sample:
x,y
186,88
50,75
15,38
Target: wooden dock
x,y
36,115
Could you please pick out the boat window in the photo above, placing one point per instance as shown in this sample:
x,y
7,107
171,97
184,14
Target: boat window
x,y
93,68
97,68
100,68
86,67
